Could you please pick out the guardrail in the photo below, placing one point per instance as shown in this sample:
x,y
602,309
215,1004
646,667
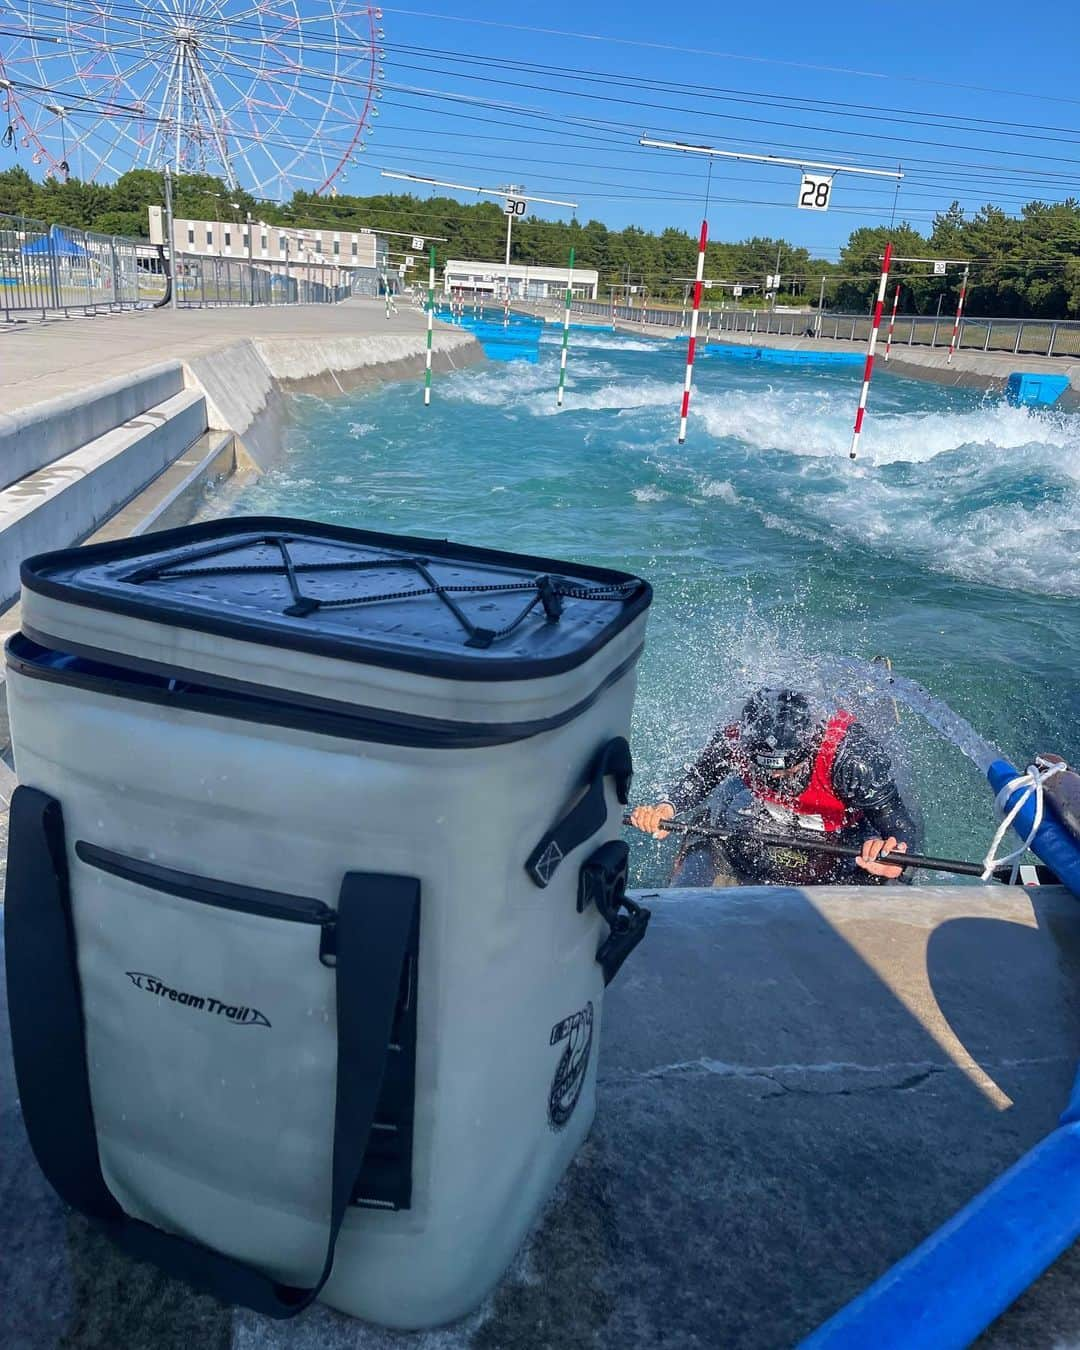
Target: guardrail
x,y
1033,337
57,269
203,282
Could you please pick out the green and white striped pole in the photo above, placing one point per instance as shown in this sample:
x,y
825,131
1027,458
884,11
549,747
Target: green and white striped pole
x,y
565,331
430,324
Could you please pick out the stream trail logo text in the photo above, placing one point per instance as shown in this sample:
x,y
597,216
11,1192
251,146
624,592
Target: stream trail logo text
x,y
232,1012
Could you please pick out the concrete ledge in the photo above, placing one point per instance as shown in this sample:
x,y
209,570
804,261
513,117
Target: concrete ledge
x,y
60,504
174,497
32,438
794,1087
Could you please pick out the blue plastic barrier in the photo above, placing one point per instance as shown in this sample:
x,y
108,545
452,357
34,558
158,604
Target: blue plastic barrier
x,y
783,356
1034,390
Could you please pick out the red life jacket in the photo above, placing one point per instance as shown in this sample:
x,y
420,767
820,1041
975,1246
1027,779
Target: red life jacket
x,y
818,797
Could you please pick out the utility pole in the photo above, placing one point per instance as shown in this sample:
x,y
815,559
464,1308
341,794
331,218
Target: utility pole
x,y
512,189
171,231
251,264
820,306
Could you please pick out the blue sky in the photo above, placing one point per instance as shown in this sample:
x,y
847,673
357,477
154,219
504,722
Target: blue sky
x,y
487,93
944,71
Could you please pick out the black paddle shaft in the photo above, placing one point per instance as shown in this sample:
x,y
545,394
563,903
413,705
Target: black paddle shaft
x,y
965,869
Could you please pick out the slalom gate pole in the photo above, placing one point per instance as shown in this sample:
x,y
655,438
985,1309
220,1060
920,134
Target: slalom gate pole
x,y
892,321
565,331
959,316
430,324
689,376
870,346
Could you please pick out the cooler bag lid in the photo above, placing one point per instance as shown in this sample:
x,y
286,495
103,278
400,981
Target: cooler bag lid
x,y
422,605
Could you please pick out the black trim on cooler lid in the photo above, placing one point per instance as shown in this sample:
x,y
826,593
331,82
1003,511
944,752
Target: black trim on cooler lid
x,y
121,676
366,649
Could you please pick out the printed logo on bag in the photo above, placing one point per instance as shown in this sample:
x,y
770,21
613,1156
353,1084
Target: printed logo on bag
x,y
570,1071
232,1012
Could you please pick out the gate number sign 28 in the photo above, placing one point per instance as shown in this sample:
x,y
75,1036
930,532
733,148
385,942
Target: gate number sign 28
x,y
814,193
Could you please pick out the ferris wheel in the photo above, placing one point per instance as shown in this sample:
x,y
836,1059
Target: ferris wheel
x,y
270,95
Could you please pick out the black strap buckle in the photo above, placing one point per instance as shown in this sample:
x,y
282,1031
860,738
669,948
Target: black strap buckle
x,y
603,883
587,816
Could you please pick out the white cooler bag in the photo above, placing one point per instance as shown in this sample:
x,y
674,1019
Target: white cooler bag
x,y
314,887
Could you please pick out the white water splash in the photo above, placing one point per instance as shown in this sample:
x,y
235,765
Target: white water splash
x,y
609,342
819,425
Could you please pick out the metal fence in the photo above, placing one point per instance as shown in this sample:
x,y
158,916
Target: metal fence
x,y
1034,337
57,269
203,282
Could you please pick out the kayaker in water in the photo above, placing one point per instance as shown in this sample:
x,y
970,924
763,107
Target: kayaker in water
x,y
784,770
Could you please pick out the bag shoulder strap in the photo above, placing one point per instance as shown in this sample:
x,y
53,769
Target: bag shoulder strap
x,y
377,919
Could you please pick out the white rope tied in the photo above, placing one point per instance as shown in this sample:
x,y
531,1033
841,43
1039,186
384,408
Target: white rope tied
x,y
1032,782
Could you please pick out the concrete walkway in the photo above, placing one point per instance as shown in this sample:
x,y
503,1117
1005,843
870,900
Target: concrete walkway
x,y
795,1087
42,361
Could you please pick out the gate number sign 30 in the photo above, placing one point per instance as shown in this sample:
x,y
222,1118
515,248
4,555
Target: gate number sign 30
x,y
814,192
514,206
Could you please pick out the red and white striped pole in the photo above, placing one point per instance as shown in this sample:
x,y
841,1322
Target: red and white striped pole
x,y
688,379
870,346
892,321
959,315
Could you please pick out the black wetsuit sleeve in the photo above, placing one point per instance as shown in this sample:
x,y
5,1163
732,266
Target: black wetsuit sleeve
x,y
708,771
863,778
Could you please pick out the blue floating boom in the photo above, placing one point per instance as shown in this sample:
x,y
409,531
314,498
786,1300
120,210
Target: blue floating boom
x,y
951,1288
1053,843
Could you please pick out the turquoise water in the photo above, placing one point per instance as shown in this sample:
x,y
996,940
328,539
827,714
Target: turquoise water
x,y
951,546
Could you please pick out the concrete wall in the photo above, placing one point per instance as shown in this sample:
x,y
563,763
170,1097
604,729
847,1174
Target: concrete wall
x,y
244,383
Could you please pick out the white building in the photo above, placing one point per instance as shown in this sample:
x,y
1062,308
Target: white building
x,y
317,253
279,243
526,283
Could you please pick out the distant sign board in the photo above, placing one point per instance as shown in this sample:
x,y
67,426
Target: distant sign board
x,y
939,269
514,206
814,192
736,291
707,285
417,243
410,261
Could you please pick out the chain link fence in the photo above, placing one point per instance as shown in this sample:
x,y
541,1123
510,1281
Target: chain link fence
x,y
1033,337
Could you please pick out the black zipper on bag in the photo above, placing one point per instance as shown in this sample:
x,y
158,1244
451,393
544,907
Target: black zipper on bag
x,y
219,894
36,656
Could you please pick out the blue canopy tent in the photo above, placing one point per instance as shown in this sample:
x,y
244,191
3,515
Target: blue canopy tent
x,y
56,242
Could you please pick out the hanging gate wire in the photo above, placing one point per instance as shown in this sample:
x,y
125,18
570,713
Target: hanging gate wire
x,y
544,590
